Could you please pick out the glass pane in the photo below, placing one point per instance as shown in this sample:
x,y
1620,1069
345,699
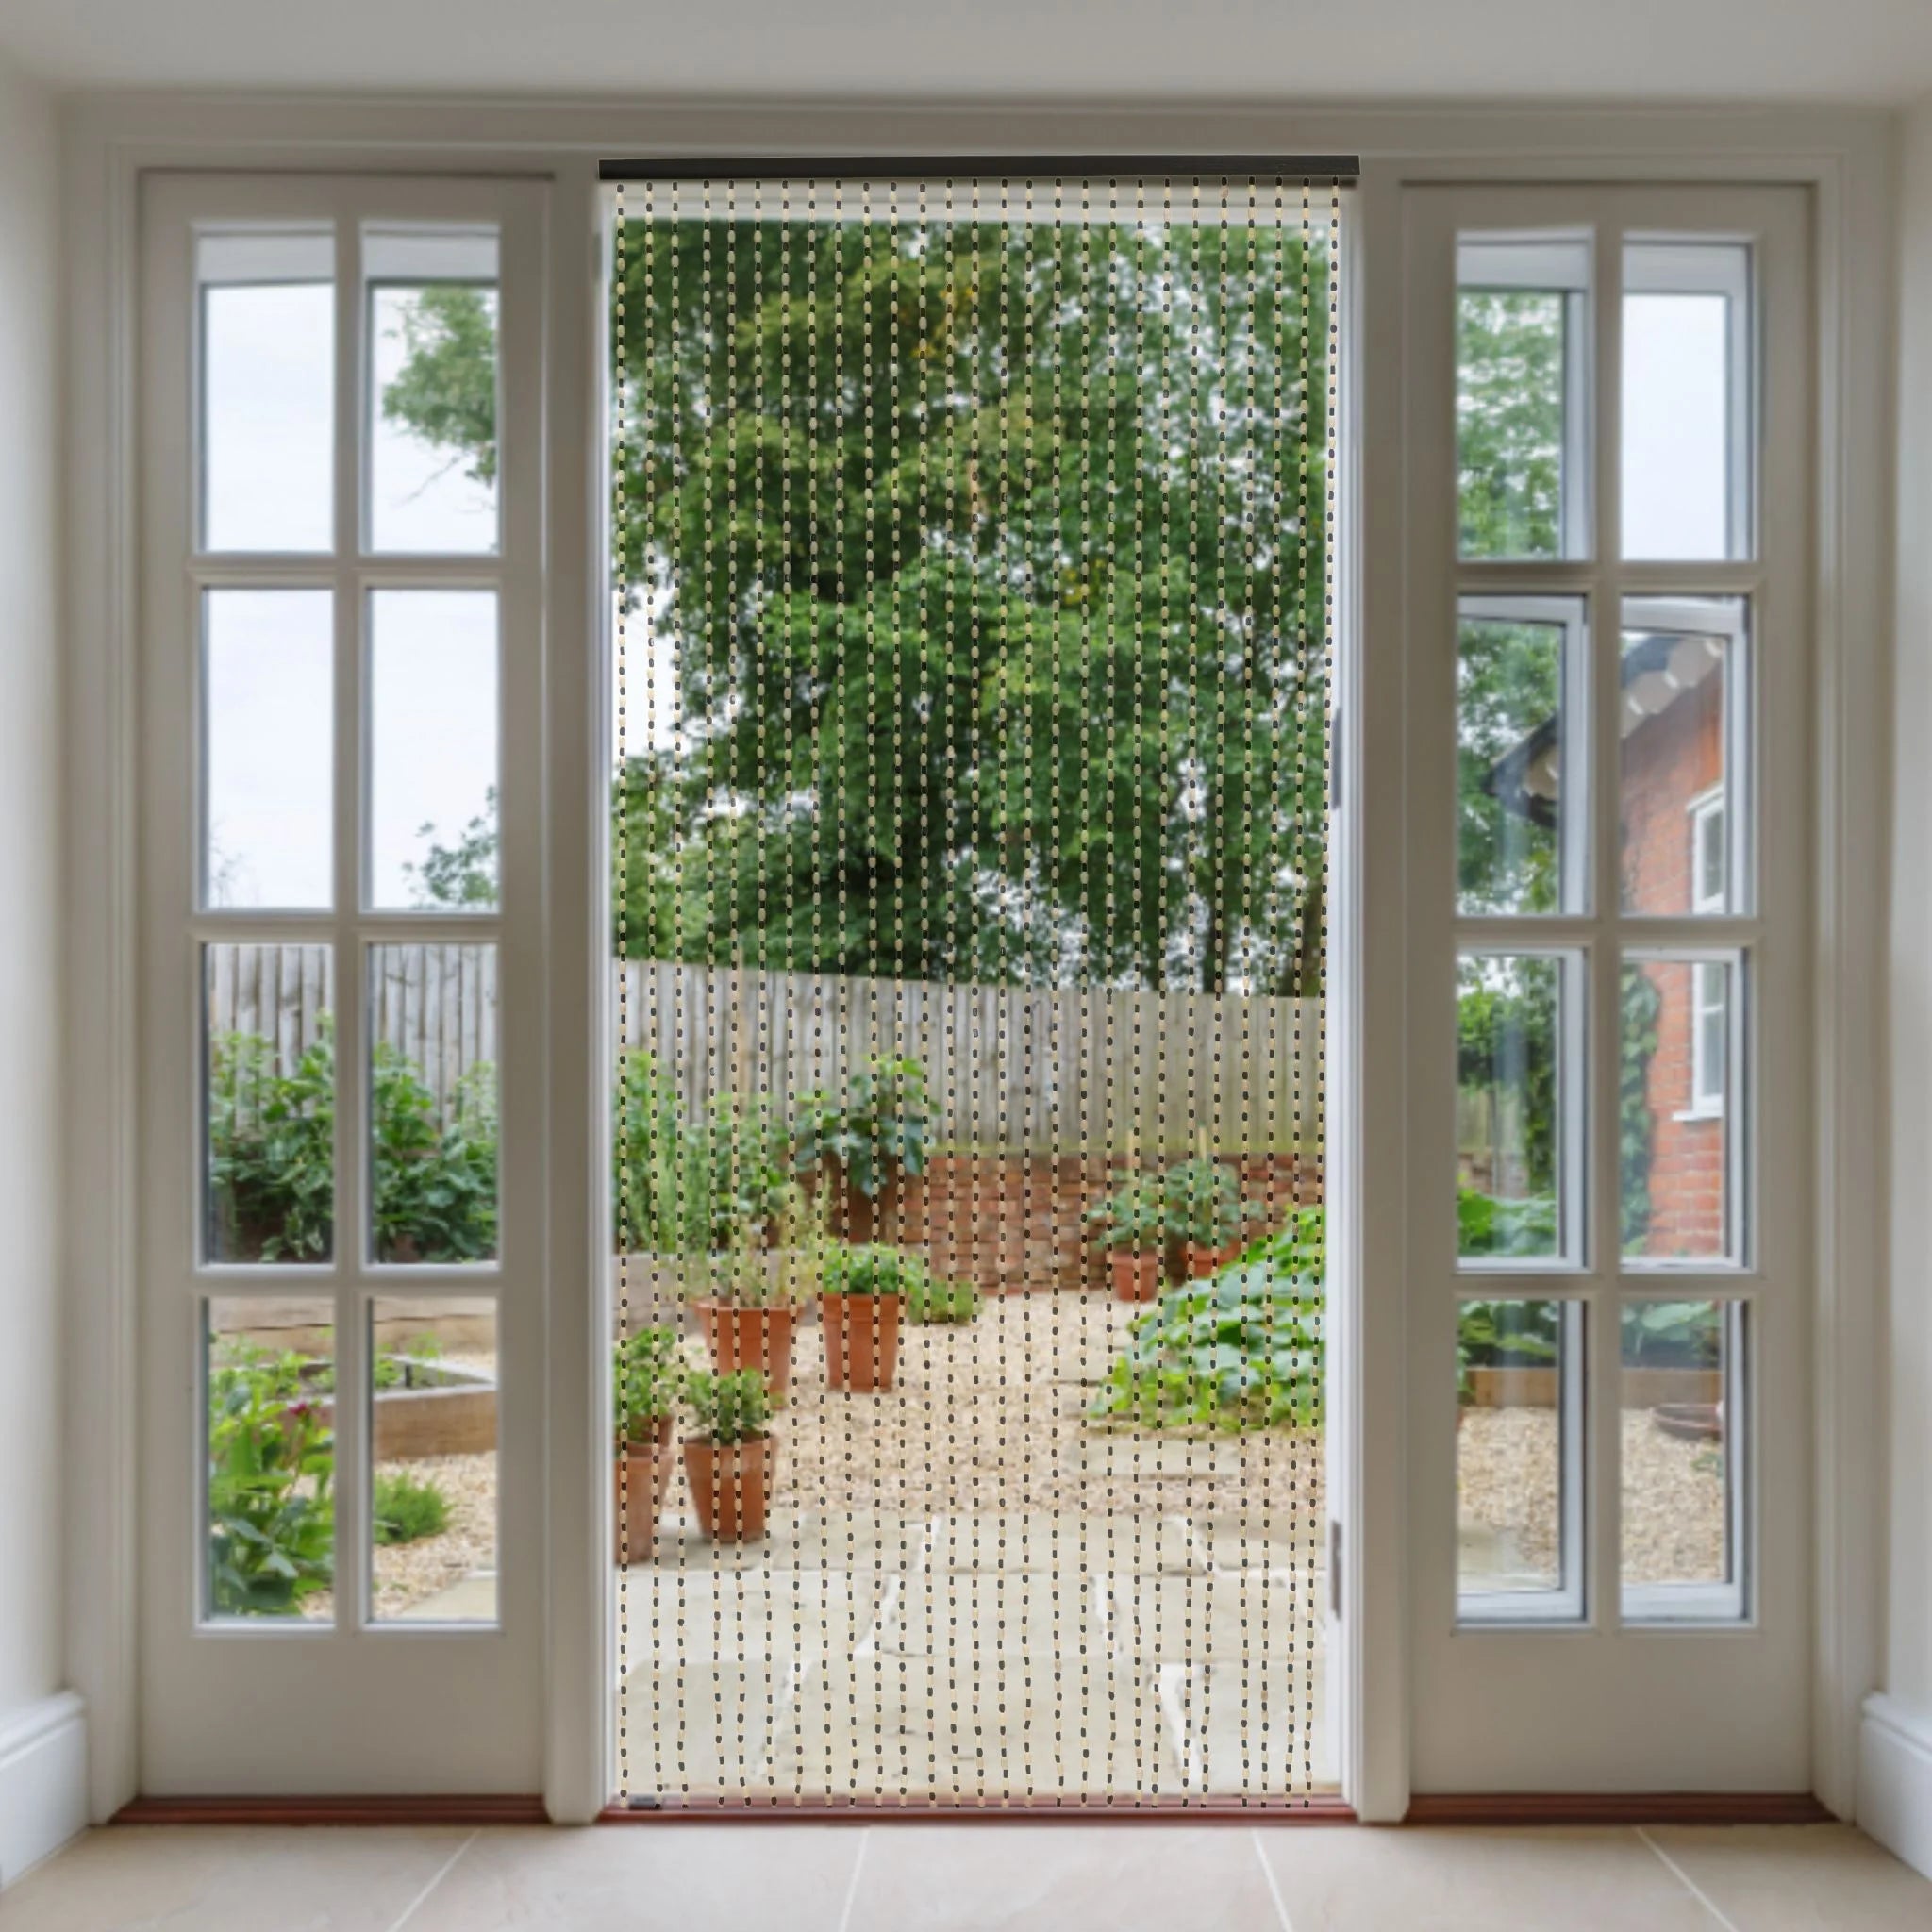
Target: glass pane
x,y
1681,1518
432,402
433,1159
270,1104
271,1459
267,786
1515,1492
432,1431
1522,381
1682,660
1518,661
1509,1093
1675,1108
267,391
433,731
1687,399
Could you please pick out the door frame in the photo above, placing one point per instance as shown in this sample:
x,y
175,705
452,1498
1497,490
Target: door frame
x,y
1842,156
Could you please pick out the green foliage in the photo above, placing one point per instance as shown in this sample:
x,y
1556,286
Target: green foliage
x,y
1687,1335
271,1466
1508,421
397,1369
730,1408
1204,1203
1636,1124
950,1304
407,1508
1505,1334
1488,1226
462,875
1240,1351
1198,1200
646,1375
1509,682
701,1187
271,1149
434,1180
1300,1247
271,1155
995,559
879,1127
875,1268
1133,1217
446,390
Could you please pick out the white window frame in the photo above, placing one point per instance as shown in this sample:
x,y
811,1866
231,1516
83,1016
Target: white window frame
x,y
470,1687
1611,1666
1708,1083
1381,1435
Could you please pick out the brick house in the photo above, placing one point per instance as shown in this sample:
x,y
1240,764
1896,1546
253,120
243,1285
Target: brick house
x,y
1675,842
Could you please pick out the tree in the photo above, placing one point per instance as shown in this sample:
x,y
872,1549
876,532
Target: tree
x,y
995,556
464,873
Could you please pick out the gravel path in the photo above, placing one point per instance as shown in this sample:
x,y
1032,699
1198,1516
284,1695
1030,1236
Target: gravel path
x,y
1674,1492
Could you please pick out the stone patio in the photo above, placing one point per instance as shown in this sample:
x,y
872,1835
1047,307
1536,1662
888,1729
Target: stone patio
x,y
969,1593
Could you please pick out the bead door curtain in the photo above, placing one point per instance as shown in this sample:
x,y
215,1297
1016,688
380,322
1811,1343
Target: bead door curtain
x,y
974,658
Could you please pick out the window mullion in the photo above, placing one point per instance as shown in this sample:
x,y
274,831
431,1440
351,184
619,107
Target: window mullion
x,y
1602,1455
351,975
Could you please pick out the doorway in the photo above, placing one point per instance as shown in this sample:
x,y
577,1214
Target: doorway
x,y
973,685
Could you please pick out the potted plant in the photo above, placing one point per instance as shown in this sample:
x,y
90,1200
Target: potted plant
x,y
1133,1230
746,1294
732,1462
862,1297
872,1136
644,1376
1205,1215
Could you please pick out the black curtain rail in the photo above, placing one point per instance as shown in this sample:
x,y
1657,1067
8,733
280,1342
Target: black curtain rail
x,y
1037,170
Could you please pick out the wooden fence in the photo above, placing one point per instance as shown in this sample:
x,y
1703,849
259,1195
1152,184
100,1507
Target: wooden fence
x,y
1009,1066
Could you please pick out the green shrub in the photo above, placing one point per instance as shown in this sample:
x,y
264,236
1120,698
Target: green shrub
x,y
1133,1217
943,1303
271,1155
1240,1351
879,1126
646,1371
695,1187
875,1268
1198,1200
730,1408
407,1508
271,1467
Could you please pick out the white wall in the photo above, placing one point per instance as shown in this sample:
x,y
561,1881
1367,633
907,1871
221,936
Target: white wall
x,y
1895,1770
39,1732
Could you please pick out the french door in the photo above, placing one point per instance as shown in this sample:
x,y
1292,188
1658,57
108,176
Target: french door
x,y
1608,438
343,1175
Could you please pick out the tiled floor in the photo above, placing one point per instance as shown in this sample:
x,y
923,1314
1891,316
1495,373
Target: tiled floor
x,y
971,1879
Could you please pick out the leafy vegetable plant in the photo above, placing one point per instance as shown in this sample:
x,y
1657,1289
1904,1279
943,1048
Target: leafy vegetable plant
x,y
879,1127
735,1408
1240,1351
271,1466
646,1374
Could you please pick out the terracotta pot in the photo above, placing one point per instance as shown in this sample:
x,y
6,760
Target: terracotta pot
x,y
862,1339
731,1487
642,1476
750,1339
1136,1276
1201,1263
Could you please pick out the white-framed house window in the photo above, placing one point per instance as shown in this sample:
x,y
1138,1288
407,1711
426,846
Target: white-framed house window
x,y
1709,1004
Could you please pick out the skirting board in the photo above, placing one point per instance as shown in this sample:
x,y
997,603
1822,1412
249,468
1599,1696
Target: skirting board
x,y
43,1781
1616,1807
1896,1780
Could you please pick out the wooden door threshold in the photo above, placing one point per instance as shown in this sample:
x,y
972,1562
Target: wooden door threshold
x,y
780,1809
456,1809
1617,1808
